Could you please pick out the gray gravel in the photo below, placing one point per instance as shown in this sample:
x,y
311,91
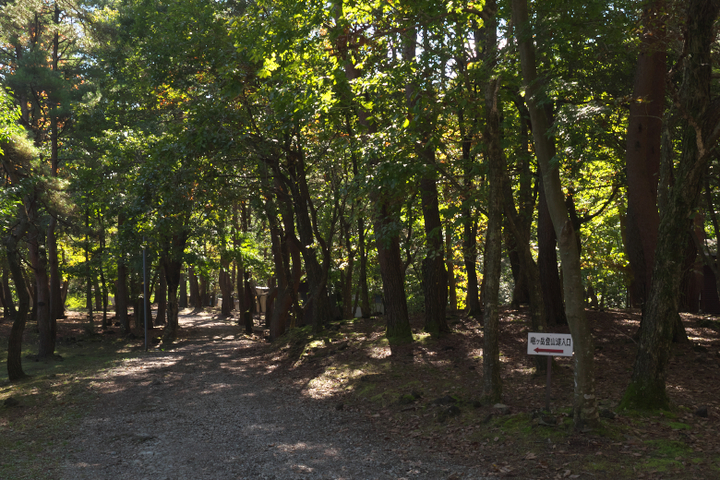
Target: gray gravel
x,y
209,410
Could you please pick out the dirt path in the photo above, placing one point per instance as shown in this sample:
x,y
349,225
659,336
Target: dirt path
x,y
208,409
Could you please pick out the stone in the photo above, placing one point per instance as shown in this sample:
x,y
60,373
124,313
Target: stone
x,y
502,409
547,420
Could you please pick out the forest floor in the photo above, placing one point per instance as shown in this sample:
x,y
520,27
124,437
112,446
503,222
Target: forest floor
x,y
427,394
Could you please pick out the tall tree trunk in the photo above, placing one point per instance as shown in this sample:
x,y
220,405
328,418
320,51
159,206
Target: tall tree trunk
x,y
347,284
643,150
548,263
528,269
2,298
226,288
183,295
57,306
283,299
393,276
435,283
8,305
585,411
472,298
492,383
452,285
172,261
203,294
97,292
161,296
699,135
317,273
362,278
121,295
103,285
470,226
14,359
46,325
434,274
195,301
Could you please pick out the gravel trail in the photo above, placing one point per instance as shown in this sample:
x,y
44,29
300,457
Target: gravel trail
x,y
209,410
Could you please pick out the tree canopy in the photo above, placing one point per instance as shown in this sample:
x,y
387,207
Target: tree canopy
x,y
363,157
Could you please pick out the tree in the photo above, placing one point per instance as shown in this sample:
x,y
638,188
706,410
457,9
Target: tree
x,y
585,402
699,130
492,386
17,157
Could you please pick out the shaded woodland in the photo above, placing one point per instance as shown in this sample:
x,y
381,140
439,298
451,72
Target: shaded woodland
x,y
324,161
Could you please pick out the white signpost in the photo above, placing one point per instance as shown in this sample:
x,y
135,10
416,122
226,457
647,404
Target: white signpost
x,y
550,345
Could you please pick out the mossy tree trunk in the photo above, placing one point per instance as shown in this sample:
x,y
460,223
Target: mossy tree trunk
x,y
647,389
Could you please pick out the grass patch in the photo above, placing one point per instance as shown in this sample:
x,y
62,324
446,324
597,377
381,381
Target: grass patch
x,y
669,448
679,426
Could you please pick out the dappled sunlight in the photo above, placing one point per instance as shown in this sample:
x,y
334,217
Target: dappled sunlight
x,y
215,388
379,352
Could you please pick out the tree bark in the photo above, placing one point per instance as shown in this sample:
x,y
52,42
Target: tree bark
x,y
643,150
452,284
492,383
393,276
161,297
14,359
195,300
46,325
226,288
172,261
433,266
121,295
8,305
57,306
470,224
700,125
585,411
347,272
317,273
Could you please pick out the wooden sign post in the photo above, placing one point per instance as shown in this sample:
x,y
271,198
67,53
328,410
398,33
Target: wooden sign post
x,y
550,345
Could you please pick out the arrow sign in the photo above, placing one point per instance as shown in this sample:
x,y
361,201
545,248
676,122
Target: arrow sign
x,y
538,350
551,344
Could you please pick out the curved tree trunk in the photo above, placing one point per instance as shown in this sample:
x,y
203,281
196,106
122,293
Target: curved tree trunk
x,y
585,411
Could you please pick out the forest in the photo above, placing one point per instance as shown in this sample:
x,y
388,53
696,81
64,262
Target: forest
x,y
354,157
